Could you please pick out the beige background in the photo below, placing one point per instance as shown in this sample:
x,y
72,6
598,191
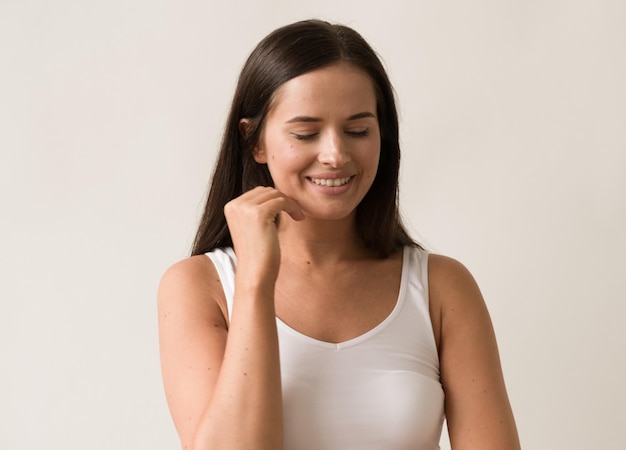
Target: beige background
x,y
513,131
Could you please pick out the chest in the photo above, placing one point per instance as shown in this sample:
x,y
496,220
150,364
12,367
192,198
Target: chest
x,y
338,306
380,390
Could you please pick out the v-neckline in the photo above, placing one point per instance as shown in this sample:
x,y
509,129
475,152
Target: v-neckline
x,y
366,335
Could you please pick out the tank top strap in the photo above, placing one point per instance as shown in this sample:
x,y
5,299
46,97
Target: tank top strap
x,y
225,263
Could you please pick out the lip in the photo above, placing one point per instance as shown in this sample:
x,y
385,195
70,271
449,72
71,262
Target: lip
x,y
331,175
331,189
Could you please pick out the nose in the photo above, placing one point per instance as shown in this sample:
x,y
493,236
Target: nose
x,y
334,152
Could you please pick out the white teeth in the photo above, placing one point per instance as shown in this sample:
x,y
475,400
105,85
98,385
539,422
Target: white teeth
x,y
330,181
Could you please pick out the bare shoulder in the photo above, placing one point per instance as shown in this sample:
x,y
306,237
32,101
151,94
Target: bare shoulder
x,y
192,337
192,283
477,408
453,293
192,269
448,278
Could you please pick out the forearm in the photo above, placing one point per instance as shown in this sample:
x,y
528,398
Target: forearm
x,y
245,411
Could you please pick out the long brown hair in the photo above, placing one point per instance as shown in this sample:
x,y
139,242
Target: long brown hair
x,y
284,54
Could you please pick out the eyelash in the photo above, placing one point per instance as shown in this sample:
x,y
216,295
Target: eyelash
x,y
361,133
308,137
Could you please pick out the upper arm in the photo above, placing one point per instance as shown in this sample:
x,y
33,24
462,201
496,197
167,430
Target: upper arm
x,y
477,407
192,338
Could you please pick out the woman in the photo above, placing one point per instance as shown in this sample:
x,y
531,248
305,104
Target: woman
x,y
307,318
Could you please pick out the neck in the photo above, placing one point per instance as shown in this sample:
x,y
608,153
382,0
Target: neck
x,y
320,242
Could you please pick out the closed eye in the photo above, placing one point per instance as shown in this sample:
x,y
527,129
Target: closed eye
x,y
304,137
358,133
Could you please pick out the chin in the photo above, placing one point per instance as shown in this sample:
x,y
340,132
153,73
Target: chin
x,y
330,216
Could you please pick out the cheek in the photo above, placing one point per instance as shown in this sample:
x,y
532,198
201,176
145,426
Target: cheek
x,y
284,164
371,158
286,157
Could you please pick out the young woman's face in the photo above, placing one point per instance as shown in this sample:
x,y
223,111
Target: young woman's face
x,y
321,140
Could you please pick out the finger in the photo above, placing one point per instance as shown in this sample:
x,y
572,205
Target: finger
x,y
294,210
252,198
258,194
282,203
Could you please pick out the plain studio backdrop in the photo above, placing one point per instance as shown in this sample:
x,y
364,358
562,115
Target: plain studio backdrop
x,y
513,119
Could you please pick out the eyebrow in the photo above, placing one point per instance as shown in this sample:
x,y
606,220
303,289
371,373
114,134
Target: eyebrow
x,y
361,115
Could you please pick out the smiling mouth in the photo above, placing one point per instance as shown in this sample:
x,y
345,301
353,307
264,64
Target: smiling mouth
x,y
333,182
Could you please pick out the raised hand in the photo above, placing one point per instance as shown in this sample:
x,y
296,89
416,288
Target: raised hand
x,y
252,221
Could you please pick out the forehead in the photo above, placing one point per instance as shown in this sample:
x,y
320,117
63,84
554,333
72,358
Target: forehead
x,y
340,89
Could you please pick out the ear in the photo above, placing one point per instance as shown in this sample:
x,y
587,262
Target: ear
x,y
244,127
258,153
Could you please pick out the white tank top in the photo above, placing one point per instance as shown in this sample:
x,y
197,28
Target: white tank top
x,y
378,391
